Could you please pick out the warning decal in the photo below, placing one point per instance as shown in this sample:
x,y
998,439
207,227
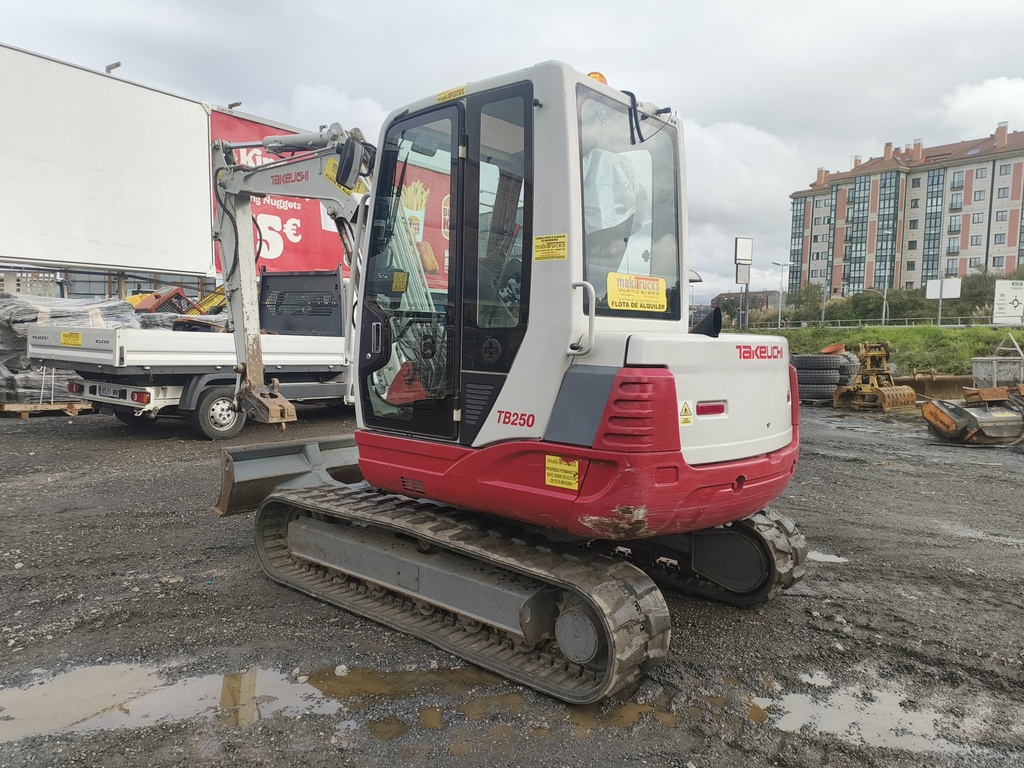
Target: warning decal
x,y
561,473
70,339
686,413
550,247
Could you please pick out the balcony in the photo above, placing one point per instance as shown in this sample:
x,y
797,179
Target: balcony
x,y
956,206
953,250
956,185
954,229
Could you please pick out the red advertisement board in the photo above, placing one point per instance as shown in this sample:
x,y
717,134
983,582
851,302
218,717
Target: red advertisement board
x,y
427,202
291,234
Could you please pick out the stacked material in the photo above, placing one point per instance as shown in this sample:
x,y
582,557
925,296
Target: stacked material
x,y
20,381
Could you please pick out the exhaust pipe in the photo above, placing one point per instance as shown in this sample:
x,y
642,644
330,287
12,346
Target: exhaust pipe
x,y
711,325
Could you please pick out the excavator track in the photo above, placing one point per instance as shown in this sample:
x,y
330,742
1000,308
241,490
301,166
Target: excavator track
x,y
571,623
773,549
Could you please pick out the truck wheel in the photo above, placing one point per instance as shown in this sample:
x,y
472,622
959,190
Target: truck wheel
x,y
215,416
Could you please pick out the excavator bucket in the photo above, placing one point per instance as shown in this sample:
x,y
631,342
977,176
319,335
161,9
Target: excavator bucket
x,y
251,473
870,395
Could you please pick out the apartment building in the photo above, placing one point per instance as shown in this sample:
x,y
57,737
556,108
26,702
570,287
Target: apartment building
x,y
910,216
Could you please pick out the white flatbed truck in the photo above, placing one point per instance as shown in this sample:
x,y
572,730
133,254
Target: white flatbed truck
x,y
148,373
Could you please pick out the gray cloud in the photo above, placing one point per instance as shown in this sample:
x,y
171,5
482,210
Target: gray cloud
x,y
769,91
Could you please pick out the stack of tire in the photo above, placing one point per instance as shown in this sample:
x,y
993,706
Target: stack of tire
x,y
819,375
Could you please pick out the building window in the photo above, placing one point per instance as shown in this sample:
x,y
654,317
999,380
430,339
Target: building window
x,y
1004,170
915,203
817,220
953,246
997,261
1000,238
976,239
818,203
909,285
952,266
975,261
956,201
958,180
914,223
1003,192
911,266
816,239
979,194
1002,215
828,202
915,182
912,245
980,173
977,218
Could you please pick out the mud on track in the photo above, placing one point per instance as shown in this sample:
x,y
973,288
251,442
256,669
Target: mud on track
x,y
136,629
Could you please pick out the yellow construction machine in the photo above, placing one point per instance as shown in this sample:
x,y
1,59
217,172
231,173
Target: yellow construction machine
x,y
873,386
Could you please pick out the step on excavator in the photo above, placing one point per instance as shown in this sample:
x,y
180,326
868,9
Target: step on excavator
x,y
542,444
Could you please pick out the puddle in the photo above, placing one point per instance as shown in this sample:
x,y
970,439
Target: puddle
x,y
122,696
878,717
821,557
125,696
819,679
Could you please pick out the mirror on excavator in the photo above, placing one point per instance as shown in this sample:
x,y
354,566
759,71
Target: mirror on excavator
x,y
350,162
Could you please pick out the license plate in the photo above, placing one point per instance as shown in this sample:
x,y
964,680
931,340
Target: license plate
x,y
109,392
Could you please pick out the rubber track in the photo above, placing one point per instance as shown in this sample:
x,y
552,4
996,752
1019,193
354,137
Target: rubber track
x,y
785,546
637,623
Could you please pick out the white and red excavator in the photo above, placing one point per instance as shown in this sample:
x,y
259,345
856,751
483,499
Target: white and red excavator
x,y
542,443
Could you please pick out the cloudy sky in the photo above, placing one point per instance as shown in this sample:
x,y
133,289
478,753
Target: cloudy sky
x,y
768,91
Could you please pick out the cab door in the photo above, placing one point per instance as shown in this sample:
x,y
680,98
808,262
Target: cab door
x,y
408,336
446,296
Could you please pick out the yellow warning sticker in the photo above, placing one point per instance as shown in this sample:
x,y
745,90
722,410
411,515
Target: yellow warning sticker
x,y
637,292
550,247
400,282
70,339
686,413
331,174
562,473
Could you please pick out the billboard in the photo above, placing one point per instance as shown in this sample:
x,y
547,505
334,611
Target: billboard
x,y
292,234
1008,304
99,172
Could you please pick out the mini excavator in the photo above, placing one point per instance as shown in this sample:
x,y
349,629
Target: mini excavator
x,y
542,443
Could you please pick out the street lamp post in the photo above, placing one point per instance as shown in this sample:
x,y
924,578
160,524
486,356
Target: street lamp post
x,y
885,302
782,277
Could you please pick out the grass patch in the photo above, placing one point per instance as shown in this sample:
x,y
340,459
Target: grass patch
x,y
922,347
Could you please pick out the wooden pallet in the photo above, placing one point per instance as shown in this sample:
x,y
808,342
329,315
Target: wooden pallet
x,y
24,410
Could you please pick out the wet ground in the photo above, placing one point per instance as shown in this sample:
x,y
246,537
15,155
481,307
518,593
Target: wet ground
x,y
138,630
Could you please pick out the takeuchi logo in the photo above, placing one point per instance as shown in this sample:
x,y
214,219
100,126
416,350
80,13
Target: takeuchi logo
x,y
759,351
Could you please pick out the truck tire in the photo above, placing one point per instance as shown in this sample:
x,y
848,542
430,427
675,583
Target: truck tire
x,y
816,376
817,391
826,362
215,416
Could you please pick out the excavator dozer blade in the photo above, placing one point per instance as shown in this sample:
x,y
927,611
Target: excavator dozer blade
x,y
251,473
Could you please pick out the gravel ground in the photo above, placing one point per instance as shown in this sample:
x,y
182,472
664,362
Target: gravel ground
x,y
138,630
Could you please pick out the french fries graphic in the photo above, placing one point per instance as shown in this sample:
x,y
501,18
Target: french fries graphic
x,y
414,196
